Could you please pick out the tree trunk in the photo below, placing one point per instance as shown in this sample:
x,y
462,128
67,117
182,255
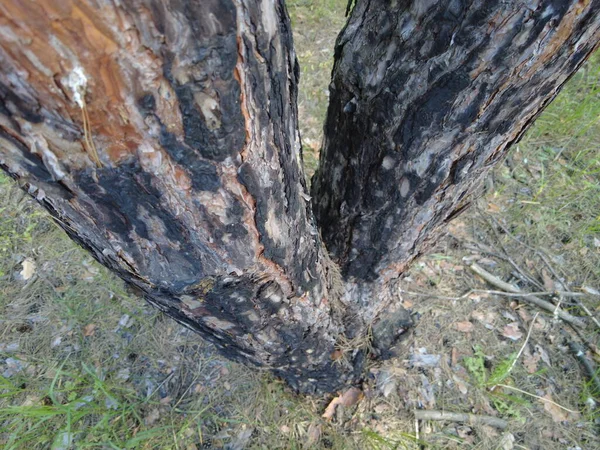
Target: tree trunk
x,y
162,136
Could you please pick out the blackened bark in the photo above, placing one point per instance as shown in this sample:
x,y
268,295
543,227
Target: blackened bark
x,y
162,136
426,96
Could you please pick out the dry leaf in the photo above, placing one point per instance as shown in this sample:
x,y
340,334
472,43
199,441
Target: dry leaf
x,y
558,414
511,331
493,208
313,435
465,327
454,356
461,385
28,268
89,329
349,398
548,283
530,361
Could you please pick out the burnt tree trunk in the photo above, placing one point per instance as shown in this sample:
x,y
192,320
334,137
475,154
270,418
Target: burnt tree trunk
x,y
162,136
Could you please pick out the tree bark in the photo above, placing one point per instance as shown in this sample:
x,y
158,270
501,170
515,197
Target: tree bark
x,y
425,98
162,136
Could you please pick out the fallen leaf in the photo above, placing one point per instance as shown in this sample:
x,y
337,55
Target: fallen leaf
x,y
89,329
530,361
511,331
548,283
313,435
28,268
558,414
349,398
454,356
464,327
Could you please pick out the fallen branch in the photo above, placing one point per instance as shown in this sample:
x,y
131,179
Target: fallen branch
x,y
579,353
547,306
472,419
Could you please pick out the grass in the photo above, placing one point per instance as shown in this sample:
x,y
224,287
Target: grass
x,y
84,363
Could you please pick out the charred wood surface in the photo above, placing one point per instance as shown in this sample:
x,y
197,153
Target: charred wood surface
x,y
426,97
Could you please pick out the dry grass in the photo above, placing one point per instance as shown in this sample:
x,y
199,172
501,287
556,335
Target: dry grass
x,y
86,364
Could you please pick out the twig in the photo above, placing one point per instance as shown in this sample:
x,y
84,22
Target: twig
x,y
487,291
587,365
523,346
507,256
537,396
544,257
472,419
492,279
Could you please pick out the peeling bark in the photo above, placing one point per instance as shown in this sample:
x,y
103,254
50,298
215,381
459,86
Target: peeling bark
x,y
162,136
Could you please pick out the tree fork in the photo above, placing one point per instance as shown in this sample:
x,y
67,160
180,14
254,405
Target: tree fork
x,y
162,136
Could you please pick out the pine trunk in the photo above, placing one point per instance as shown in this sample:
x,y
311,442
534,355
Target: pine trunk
x,y
162,136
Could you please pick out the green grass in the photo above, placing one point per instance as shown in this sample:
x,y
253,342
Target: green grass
x,y
554,181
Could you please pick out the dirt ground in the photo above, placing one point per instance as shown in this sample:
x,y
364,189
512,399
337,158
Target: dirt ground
x,y
84,363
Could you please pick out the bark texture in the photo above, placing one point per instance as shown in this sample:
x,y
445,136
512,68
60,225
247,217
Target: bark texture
x,y
162,136
426,96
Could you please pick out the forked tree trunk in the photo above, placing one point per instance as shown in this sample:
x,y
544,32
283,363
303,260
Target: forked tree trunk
x,y
162,136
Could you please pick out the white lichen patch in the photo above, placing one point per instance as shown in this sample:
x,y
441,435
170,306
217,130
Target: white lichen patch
x,y
77,81
210,109
404,187
387,163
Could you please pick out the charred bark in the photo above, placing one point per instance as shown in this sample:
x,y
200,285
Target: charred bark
x,y
162,136
425,98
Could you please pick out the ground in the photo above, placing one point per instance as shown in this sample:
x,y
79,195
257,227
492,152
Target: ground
x,y
84,363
